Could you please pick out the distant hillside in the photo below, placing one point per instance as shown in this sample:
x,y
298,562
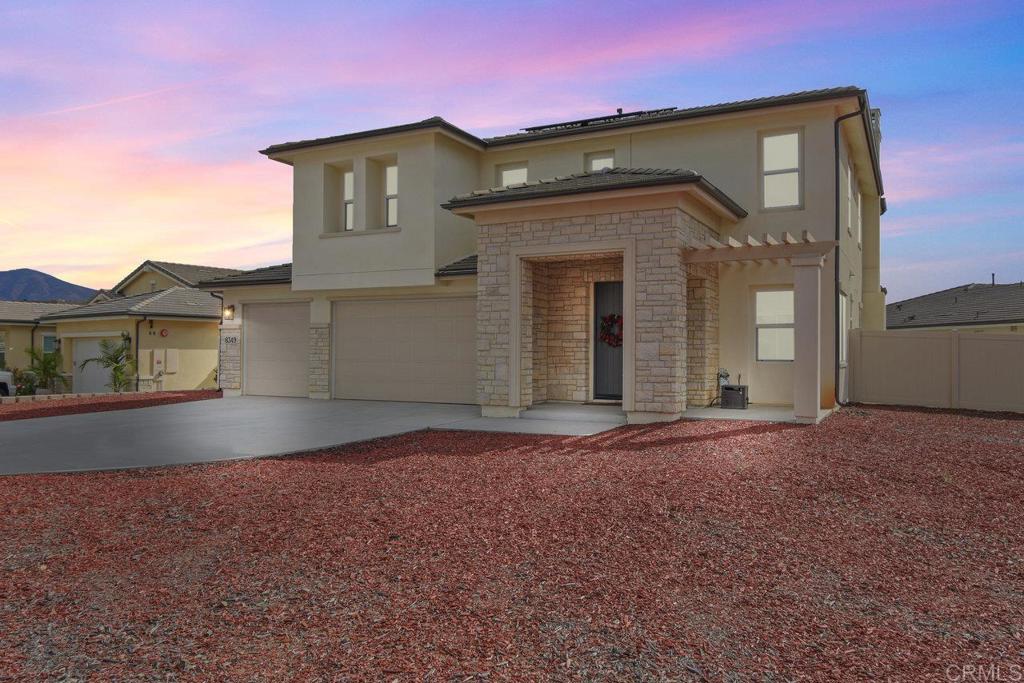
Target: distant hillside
x,y
25,284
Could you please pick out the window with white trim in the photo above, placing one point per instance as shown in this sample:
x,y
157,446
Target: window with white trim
x,y
598,161
391,196
49,343
774,325
780,170
348,200
510,174
844,326
860,217
3,350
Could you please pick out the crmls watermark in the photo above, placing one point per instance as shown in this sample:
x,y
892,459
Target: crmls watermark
x,y
985,673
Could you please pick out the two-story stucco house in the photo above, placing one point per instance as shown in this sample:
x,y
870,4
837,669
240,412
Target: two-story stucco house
x,y
621,258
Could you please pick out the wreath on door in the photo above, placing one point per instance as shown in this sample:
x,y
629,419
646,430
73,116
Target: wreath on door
x,y
611,329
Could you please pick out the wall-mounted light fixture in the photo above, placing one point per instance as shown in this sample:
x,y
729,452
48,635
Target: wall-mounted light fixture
x,y
229,312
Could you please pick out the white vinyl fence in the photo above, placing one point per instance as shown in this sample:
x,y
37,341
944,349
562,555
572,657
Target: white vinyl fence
x,y
939,369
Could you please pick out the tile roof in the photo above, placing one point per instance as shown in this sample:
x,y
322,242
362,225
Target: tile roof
x,y
671,114
464,266
175,302
28,311
584,125
593,181
270,275
193,274
966,305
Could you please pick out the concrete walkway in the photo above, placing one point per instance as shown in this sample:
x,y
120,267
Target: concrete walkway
x,y
229,428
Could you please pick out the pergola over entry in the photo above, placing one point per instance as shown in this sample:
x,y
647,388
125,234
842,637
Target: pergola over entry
x,y
805,255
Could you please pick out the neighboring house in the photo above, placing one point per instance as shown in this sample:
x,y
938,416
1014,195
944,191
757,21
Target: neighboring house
x,y
971,308
20,330
171,327
620,258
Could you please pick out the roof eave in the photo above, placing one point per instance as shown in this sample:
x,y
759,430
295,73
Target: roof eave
x,y
275,152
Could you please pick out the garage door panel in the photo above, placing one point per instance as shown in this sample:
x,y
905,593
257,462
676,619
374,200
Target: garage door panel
x,y
276,349
421,350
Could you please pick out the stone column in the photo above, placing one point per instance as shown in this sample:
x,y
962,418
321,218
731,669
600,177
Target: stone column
x,y
230,371
701,333
320,316
807,337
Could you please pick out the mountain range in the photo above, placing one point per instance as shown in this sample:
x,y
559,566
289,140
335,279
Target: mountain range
x,y
25,284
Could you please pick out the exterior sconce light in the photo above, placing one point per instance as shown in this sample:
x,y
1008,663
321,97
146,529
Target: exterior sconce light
x,y
229,312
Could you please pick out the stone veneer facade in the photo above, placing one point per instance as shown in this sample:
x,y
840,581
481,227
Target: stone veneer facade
x,y
554,362
701,333
320,361
230,372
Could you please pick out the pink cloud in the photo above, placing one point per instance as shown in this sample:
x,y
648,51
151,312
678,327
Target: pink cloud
x,y
919,172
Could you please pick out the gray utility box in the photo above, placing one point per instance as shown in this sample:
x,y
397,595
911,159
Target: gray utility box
x,y
734,396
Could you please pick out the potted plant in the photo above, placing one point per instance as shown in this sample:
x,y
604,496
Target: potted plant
x,y
117,357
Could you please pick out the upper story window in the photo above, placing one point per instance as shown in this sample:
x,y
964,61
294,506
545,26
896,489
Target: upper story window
x,y
773,322
510,174
597,161
781,182
348,200
391,196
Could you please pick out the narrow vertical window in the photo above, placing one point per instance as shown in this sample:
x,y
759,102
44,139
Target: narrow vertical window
x,y
511,174
3,351
391,196
773,323
860,216
348,201
850,209
598,161
49,344
780,170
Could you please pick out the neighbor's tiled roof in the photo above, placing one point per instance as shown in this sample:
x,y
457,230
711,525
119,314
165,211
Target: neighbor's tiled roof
x,y
593,181
966,305
464,266
270,275
28,311
175,302
193,274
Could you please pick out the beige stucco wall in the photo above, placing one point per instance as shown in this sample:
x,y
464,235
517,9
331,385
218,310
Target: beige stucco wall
x,y
429,172
146,282
18,338
196,342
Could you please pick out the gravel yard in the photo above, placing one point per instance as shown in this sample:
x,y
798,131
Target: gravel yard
x,y
96,404
881,544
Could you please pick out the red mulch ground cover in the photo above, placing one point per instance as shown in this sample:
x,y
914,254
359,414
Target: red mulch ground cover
x,y
97,404
882,544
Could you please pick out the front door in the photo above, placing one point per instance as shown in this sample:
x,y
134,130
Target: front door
x,y
608,340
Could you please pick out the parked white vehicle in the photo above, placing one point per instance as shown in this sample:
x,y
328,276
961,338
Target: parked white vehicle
x,y
6,383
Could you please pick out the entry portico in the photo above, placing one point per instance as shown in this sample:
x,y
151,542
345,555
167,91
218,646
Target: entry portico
x,y
663,234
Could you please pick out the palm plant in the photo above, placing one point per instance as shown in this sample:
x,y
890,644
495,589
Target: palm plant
x,y
48,369
117,357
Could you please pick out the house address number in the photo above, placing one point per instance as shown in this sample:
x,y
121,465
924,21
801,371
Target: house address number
x,y
231,339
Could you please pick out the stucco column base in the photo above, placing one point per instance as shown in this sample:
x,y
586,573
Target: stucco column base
x,y
641,417
320,395
874,311
500,411
807,337
231,393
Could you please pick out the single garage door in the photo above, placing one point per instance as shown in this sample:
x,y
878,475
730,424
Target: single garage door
x,y
415,350
276,356
93,378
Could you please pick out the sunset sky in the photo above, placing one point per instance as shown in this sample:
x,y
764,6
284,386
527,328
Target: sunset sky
x,y
130,130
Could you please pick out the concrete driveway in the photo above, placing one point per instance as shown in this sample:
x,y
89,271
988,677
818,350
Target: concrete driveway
x,y
247,427
205,431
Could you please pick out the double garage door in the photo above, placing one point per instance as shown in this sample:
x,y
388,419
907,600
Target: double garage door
x,y
415,350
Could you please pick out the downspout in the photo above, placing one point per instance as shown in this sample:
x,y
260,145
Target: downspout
x,y
138,343
219,333
838,235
